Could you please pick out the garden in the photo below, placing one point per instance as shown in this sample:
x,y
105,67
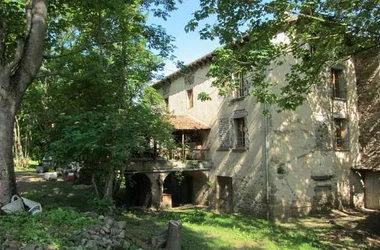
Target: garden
x,y
72,217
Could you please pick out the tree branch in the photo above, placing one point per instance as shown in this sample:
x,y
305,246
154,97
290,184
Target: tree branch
x,y
2,41
31,58
21,40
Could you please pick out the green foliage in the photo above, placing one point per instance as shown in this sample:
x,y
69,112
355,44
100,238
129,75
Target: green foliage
x,y
103,206
203,96
49,227
91,103
320,34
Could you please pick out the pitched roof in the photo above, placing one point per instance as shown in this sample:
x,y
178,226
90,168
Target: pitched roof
x,y
184,70
186,122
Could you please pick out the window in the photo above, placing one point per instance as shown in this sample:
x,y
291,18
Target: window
x,y
338,83
241,89
166,100
239,124
190,97
341,134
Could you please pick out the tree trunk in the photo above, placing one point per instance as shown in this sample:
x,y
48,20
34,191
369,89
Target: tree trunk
x,y
8,107
174,235
108,188
15,78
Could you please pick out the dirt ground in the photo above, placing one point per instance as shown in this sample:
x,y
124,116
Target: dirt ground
x,y
359,228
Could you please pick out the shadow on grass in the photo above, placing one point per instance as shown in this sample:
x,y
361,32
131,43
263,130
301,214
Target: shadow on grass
x,y
53,194
207,230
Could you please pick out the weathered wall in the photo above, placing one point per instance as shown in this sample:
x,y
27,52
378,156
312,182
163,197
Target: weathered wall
x,y
178,101
368,80
306,172
244,166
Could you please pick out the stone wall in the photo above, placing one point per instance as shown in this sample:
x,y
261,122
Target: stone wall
x,y
368,84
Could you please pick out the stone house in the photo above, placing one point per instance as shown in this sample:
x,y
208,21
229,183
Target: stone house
x,y
235,159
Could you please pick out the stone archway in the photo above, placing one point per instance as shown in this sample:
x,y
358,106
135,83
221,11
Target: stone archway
x,y
139,190
185,187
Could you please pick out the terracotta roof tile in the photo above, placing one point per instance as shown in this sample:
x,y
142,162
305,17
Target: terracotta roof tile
x,y
185,122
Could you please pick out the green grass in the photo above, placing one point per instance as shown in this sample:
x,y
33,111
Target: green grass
x,y
207,230
52,227
202,229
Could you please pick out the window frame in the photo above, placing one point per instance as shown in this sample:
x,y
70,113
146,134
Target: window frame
x,y
338,84
241,90
166,101
240,133
341,134
190,98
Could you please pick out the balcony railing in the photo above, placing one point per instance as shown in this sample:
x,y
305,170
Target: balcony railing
x,y
187,154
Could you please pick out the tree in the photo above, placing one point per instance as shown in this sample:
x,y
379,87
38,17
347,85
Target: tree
x,y
18,66
320,33
23,36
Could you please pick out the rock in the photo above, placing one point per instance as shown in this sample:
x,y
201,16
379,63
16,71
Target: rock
x,y
109,221
121,234
30,247
14,245
76,232
106,229
91,244
125,244
101,243
39,248
85,235
115,231
92,232
101,217
102,232
95,237
50,247
122,224
83,242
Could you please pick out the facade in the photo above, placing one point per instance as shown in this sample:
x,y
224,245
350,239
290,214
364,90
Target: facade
x,y
367,173
238,160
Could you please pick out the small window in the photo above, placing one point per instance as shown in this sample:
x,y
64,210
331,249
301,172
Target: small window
x,y
241,89
341,134
338,83
166,100
240,132
190,98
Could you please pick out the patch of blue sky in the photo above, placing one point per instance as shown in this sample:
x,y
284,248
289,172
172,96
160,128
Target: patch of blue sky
x,y
189,46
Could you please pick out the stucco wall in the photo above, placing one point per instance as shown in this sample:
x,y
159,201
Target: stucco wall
x,y
305,172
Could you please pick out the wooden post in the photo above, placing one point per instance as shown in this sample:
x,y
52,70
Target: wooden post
x,y
183,146
174,235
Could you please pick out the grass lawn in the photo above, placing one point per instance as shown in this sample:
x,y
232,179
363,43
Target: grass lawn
x,y
202,229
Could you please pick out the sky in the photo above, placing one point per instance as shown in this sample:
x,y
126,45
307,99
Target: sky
x,y
189,46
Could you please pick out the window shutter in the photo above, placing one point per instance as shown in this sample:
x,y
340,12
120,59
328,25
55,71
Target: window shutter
x,y
224,133
246,133
345,134
247,84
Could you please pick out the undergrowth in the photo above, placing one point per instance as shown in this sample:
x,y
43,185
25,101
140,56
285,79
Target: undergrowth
x,y
50,227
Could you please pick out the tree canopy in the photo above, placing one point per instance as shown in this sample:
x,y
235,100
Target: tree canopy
x,y
320,33
89,99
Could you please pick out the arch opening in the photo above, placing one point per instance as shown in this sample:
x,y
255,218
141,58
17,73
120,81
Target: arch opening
x,y
138,190
187,187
